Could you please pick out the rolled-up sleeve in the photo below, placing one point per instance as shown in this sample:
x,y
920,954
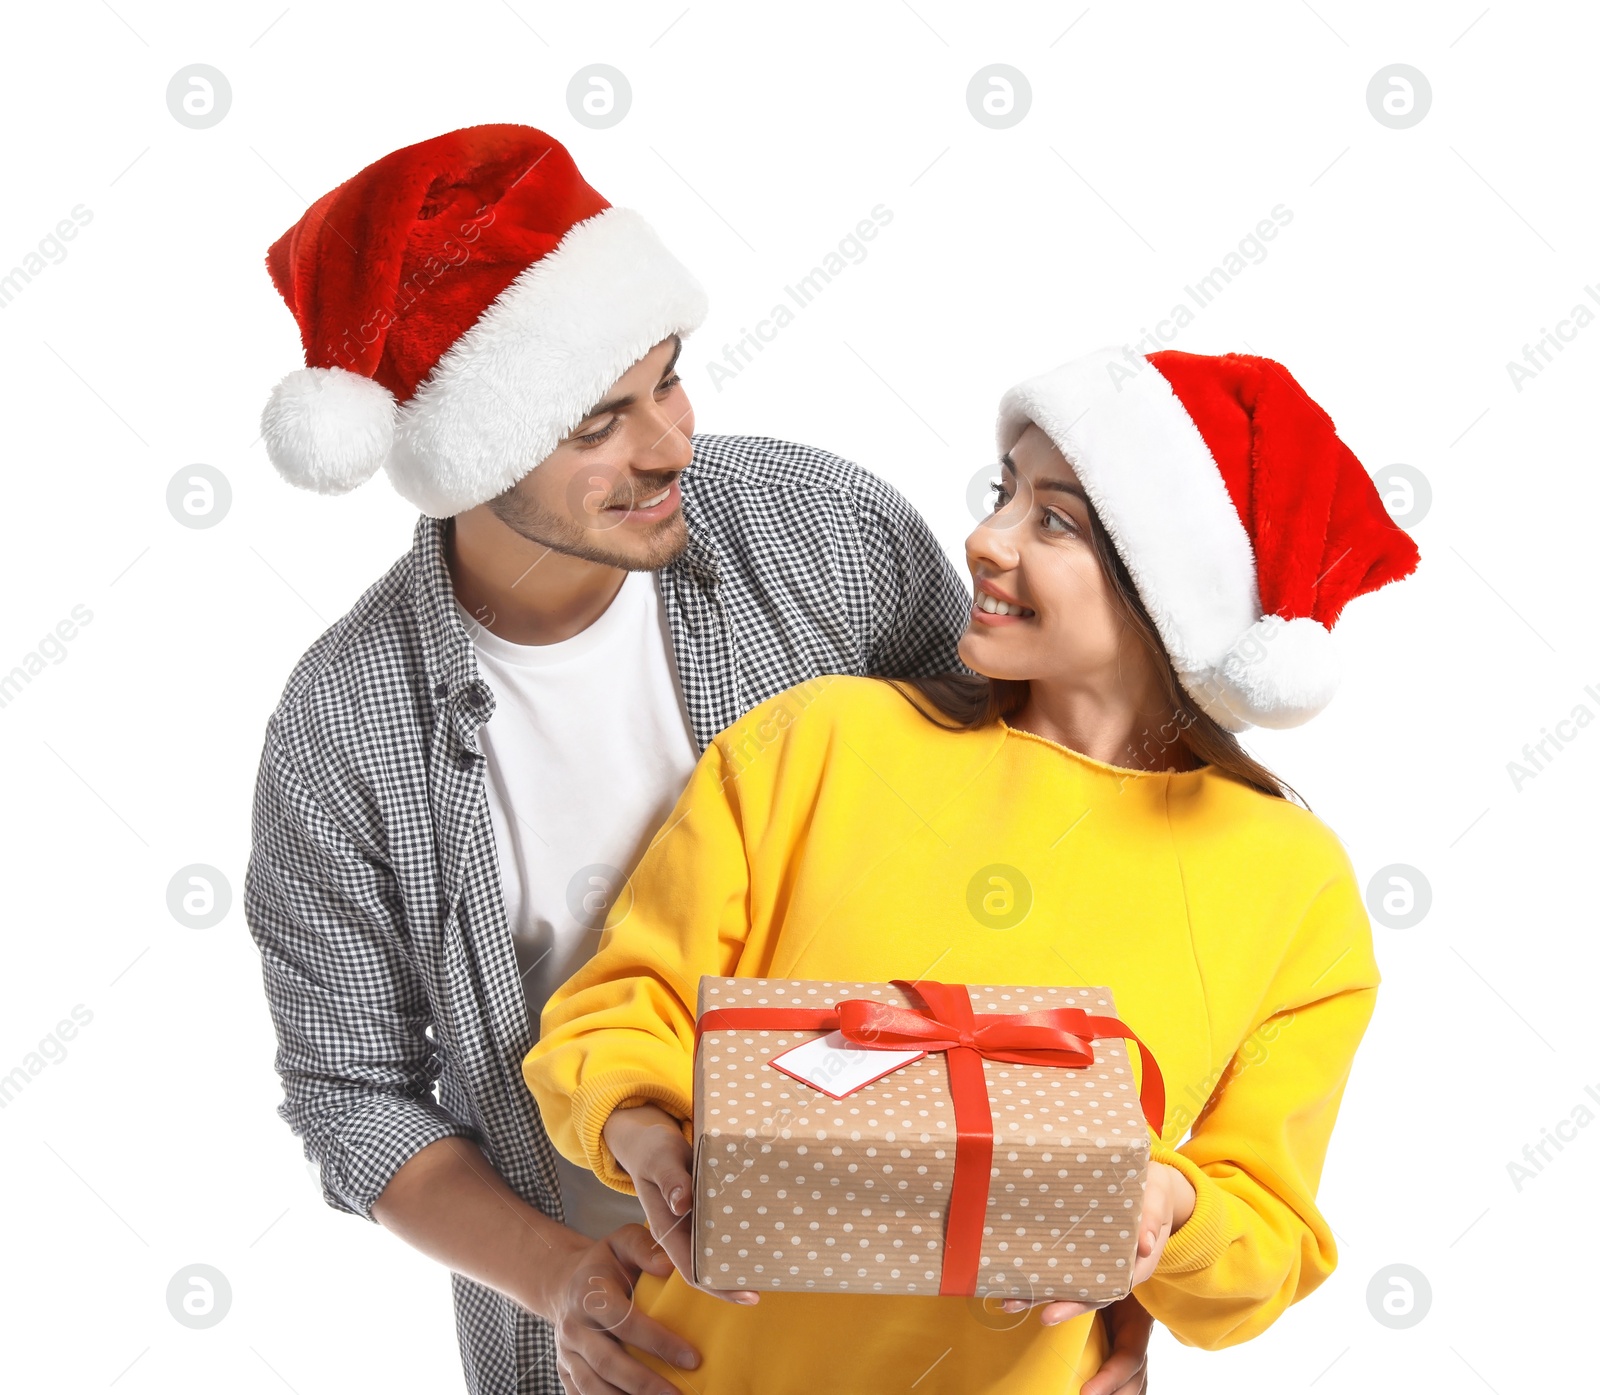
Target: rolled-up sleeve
x,y
354,1053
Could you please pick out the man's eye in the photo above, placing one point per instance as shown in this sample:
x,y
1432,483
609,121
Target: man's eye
x,y
594,437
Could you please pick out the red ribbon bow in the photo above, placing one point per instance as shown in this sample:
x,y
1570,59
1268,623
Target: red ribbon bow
x,y
1059,1037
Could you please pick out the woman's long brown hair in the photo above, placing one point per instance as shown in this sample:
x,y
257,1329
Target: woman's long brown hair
x,y
968,701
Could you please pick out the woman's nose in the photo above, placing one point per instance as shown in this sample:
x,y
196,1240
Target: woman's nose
x,y
994,543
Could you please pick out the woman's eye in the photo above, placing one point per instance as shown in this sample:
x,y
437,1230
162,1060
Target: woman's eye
x,y
1001,498
1064,525
668,383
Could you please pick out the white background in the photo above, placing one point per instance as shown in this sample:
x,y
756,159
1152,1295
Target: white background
x,y
1417,263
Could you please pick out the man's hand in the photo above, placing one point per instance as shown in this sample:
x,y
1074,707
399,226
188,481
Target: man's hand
x,y
451,1204
650,1147
1126,1370
591,1309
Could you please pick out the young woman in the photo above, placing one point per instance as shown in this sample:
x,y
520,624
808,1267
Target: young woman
x,y
1171,540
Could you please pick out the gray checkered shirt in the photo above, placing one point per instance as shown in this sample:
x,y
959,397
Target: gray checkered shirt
x,y
373,888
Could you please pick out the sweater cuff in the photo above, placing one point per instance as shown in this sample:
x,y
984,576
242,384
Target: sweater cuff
x,y
593,1103
1200,1241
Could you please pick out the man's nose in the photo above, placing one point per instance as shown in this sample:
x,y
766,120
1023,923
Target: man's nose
x,y
665,441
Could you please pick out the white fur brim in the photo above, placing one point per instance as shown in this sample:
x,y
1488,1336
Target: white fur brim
x,y
1158,491
538,360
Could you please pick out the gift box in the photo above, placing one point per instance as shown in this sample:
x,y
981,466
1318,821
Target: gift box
x,y
917,1137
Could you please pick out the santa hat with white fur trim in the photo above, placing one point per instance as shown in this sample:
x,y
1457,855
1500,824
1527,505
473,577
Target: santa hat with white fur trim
x,y
462,303
1244,521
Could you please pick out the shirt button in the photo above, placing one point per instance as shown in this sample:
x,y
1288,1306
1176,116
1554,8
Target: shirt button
x,y
442,691
464,759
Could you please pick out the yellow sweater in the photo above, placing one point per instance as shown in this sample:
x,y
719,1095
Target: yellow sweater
x,y
835,832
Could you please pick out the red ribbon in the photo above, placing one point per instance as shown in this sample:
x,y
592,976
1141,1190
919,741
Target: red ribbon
x,y
945,1022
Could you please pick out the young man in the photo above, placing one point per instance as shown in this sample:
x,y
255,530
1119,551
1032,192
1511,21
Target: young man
x,y
461,770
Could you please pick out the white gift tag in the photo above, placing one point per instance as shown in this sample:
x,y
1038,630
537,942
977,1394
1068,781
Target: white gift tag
x,y
832,1065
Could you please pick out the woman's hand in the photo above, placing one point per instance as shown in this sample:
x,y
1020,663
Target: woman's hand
x,y
1168,1202
650,1147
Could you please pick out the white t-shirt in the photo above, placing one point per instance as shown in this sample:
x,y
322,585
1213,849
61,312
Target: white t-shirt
x,y
588,750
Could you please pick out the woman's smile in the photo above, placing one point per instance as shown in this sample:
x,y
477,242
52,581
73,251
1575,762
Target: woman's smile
x,y
993,606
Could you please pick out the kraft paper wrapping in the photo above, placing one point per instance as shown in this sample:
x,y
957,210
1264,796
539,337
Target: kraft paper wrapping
x,y
795,1190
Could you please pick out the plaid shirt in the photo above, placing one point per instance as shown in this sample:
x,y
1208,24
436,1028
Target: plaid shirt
x,y
373,888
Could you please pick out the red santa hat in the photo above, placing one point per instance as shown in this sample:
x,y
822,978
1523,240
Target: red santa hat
x,y
1245,522
463,303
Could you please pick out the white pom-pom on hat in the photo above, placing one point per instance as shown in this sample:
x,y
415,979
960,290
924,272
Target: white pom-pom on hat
x,y
1279,673
328,429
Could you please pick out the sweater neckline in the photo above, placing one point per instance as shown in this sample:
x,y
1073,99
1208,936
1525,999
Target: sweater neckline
x,y
1106,766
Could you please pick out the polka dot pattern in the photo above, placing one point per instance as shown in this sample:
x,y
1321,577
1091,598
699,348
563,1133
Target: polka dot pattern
x,y
794,1190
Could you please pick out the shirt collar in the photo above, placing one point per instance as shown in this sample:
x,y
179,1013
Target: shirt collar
x,y
699,559
446,650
